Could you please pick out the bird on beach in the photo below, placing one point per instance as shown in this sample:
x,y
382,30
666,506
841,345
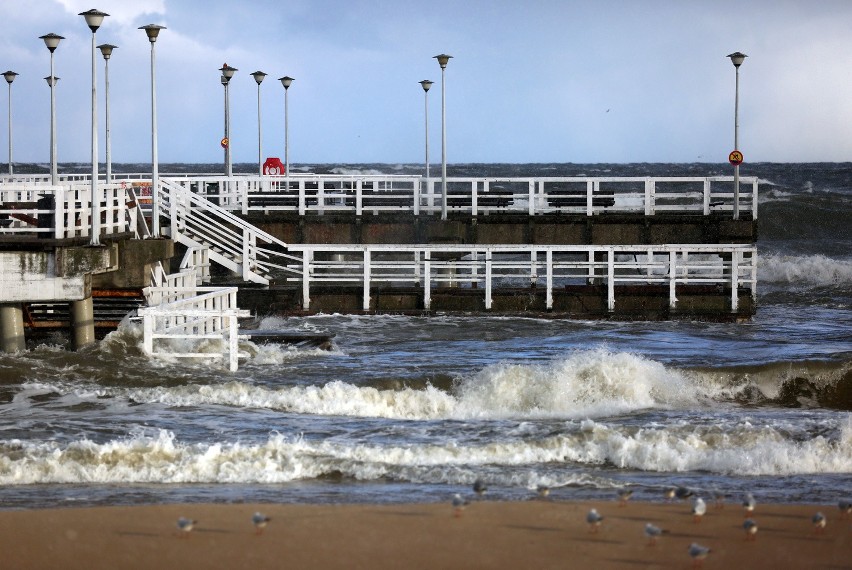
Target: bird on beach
x,y
479,488
652,533
185,526
819,522
698,553
624,496
845,509
459,503
669,494
543,491
682,493
750,528
594,520
699,509
749,504
259,520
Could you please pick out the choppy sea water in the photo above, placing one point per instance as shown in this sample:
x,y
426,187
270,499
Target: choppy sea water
x,y
415,409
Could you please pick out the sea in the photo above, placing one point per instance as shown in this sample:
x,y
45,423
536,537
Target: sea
x,y
414,409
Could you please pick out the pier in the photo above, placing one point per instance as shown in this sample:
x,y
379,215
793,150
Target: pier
x,y
560,247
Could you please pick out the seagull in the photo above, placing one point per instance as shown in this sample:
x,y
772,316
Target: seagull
x,y
819,523
594,520
624,496
185,525
259,520
479,487
699,509
458,505
669,493
543,491
749,503
653,533
683,493
750,527
845,509
698,554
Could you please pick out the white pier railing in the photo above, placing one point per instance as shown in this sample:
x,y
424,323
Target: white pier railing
x,y
493,267
363,194
182,316
64,211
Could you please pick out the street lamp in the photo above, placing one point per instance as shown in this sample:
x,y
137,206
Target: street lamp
x,y
227,74
52,42
10,77
443,59
106,51
258,77
737,59
286,82
152,31
94,19
426,84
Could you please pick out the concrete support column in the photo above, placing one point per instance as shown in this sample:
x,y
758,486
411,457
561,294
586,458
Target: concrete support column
x,y
12,328
82,323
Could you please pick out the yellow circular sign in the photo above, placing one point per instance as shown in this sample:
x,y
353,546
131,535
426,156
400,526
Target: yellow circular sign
x,y
224,142
735,158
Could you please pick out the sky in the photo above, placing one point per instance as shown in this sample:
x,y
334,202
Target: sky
x,y
603,81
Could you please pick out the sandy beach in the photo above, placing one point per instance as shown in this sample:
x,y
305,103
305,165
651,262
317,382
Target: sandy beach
x,y
525,534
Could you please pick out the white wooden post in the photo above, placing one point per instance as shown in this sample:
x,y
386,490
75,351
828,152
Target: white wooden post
x,y
706,197
735,270
307,263
366,302
549,300
427,279
610,271
359,196
488,279
301,186
533,268
591,188
650,185
474,202
531,194
672,279
415,189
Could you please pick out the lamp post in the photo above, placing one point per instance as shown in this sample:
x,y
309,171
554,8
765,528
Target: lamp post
x,y
227,74
258,77
737,59
94,19
426,84
443,59
106,51
286,82
10,77
152,31
52,42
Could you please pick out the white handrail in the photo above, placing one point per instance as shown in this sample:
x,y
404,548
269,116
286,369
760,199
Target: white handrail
x,y
492,267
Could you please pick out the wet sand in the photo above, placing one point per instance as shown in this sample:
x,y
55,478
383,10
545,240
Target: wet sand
x,y
488,534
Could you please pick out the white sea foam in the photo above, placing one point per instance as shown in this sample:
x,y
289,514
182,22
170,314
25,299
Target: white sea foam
x,y
159,457
804,270
585,384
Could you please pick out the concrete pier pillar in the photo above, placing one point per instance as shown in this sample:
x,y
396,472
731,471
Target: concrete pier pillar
x,y
82,323
12,328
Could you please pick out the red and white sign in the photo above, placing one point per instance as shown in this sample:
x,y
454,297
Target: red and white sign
x,y
272,166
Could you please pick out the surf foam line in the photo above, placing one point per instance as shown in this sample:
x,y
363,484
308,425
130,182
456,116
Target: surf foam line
x,y
161,458
586,384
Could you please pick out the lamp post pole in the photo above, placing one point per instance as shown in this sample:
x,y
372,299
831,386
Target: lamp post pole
x,y
737,59
443,59
258,77
94,19
426,84
10,77
106,51
52,41
286,82
227,74
152,31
